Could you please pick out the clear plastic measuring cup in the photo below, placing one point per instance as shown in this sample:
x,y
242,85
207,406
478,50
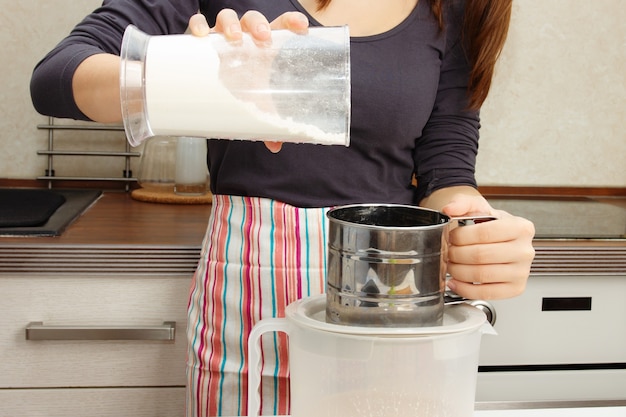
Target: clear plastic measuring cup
x,y
351,371
294,89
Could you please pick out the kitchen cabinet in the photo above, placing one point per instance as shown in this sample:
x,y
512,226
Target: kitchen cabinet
x,y
566,355
131,374
555,412
93,402
124,265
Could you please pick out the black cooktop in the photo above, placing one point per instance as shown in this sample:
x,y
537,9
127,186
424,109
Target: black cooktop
x,y
52,219
568,218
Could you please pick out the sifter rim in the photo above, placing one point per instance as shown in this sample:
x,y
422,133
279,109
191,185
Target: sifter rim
x,y
310,312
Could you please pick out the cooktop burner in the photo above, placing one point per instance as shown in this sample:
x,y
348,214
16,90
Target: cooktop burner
x,y
569,218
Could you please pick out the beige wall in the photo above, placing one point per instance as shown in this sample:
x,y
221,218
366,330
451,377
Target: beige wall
x,y
556,115
557,112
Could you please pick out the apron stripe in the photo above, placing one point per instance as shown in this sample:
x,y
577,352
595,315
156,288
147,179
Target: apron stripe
x,y
246,302
218,314
297,242
223,318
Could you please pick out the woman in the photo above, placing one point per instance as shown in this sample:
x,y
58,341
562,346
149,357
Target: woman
x,y
420,71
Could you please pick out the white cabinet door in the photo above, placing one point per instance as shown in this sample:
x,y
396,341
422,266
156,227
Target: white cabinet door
x,y
530,333
99,402
92,301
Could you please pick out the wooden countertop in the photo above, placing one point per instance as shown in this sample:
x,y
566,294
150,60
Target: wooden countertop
x,y
117,219
120,234
116,236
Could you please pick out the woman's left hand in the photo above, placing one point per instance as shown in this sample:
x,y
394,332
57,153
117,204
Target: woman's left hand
x,y
489,260
253,22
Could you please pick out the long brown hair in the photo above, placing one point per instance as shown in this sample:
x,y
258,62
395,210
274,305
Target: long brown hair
x,y
485,27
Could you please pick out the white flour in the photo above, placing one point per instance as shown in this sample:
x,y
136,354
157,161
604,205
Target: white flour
x,y
185,97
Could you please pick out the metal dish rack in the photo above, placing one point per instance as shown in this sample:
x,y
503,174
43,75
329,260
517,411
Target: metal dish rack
x,y
51,152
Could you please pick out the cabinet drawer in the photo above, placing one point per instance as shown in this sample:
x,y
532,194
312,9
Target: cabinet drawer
x,y
560,320
587,385
92,301
99,402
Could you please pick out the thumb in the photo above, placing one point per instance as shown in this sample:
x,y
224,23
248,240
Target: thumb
x,y
466,205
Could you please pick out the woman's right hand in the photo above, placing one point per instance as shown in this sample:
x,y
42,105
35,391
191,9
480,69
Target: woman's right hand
x,y
252,22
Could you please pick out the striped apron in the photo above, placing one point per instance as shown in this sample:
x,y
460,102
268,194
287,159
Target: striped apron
x,y
258,256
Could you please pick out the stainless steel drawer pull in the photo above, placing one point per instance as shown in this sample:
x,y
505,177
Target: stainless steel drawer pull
x,y
39,331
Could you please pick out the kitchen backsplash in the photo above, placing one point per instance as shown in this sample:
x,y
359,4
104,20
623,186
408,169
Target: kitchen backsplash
x,y
556,115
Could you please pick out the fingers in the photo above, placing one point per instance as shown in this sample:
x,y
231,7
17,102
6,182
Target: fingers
x,y
491,260
198,25
227,22
294,21
493,291
491,253
257,25
504,229
491,263
274,147
254,23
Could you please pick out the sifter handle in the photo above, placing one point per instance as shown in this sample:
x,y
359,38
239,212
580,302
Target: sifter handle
x,y
470,220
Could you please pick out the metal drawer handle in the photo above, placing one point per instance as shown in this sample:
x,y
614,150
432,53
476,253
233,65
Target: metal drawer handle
x,y
38,331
